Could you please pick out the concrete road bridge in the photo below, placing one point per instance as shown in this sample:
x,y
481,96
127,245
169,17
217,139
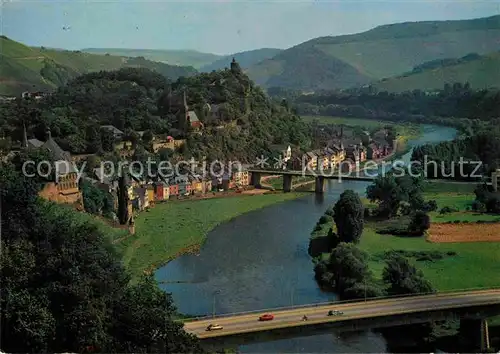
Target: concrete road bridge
x,y
471,307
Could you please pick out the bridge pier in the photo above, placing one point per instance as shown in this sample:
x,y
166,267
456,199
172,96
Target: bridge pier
x,y
287,183
256,179
320,184
474,332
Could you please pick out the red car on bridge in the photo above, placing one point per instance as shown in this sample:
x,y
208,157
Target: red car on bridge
x,y
266,317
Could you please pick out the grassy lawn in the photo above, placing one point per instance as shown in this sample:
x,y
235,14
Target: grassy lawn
x,y
172,228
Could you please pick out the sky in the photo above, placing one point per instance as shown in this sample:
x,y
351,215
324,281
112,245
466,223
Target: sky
x,y
214,26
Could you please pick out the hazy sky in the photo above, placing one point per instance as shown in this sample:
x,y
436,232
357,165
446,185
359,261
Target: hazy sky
x,y
220,27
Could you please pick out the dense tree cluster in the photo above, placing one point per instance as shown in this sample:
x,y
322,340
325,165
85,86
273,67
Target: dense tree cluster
x,y
346,272
456,100
64,288
392,191
444,159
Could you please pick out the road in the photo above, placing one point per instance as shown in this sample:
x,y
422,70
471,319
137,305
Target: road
x,y
245,323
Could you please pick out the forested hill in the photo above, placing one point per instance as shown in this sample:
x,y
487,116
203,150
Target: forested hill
x,y
382,52
26,68
246,123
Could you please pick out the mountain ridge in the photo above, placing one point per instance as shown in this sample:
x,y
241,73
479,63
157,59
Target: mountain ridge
x,y
387,50
25,68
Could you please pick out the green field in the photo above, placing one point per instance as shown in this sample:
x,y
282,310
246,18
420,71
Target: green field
x,y
475,265
360,122
405,130
171,228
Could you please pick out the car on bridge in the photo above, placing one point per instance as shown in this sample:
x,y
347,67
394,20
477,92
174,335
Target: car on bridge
x,y
214,327
266,317
335,313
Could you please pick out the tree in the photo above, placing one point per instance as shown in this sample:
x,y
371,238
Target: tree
x,y
420,223
151,328
123,201
349,216
64,287
349,266
147,138
107,140
390,191
403,278
5,146
93,138
95,200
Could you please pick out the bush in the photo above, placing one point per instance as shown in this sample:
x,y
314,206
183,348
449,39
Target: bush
x,y
393,230
493,204
478,206
431,205
324,219
420,223
418,255
317,227
447,210
330,211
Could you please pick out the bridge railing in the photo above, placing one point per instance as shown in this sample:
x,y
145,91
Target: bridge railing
x,y
335,303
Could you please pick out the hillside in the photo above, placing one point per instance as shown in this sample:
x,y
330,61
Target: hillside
x,y
240,121
384,51
25,68
245,59
173,57
482,72
308,68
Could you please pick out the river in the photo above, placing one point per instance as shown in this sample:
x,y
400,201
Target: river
x,y
259,260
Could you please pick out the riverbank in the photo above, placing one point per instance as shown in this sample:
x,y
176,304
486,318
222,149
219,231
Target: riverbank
x,y
175,228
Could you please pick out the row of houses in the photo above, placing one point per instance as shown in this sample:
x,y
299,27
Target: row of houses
x,y
349,150
143,193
